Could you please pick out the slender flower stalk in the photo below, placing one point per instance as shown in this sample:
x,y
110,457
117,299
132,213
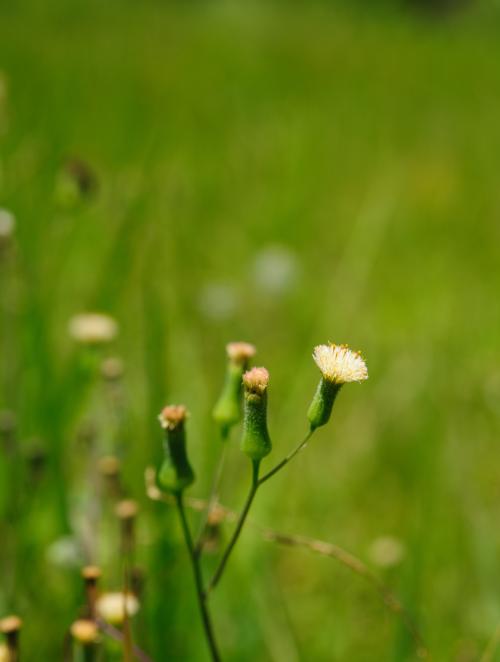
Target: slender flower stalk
x,y
175,475
239,526
287,459
198,579
91,575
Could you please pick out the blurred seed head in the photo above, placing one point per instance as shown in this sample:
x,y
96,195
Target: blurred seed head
x,y
240,352
276,270
91,573
85,631
10,624
93,328
256,380
112,368
112,606
109,466
218,301
386,551
126,509
172,416
339,364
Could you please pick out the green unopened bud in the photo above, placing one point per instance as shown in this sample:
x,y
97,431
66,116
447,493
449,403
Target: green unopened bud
x,y
255,442
175,473
338,365
227,411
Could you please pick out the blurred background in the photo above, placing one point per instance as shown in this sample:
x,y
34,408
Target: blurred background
x,y
285,173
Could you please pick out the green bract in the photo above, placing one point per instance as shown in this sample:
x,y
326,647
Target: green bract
x,y
256,442
175,473
227,411
320,409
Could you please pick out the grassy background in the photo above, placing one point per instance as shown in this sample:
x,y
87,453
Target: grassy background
x,y
364,142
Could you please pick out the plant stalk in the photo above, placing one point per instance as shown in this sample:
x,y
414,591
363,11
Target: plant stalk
x,y
205,616
241,521
287,459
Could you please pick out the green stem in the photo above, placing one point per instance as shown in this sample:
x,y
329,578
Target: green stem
x,y
287,459
241,521
205,616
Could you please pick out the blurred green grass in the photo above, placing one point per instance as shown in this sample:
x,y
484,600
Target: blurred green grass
x,y
364,142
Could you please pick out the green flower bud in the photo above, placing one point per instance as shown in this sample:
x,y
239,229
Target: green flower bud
x,y
338,365
255,442
227,411
175,473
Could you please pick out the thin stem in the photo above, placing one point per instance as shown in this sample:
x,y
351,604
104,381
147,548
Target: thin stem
x,y
251,495
287,459
117,635
214,495
205,616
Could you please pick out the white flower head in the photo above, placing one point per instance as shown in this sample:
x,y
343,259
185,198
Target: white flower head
x,y
339,364
172,416
93,328
112,606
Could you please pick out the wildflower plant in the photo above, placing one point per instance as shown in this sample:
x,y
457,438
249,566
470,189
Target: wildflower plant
x,y
244,398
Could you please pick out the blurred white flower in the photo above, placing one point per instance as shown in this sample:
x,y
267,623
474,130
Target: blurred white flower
x,y
93,328
276,270
65,552
7,224
217,301
386,551
111,606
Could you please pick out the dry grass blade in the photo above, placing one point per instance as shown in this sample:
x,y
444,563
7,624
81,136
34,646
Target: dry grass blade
x,y
318,546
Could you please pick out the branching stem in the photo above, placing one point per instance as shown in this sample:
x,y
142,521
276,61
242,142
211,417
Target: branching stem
x,y
241,521
287,459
